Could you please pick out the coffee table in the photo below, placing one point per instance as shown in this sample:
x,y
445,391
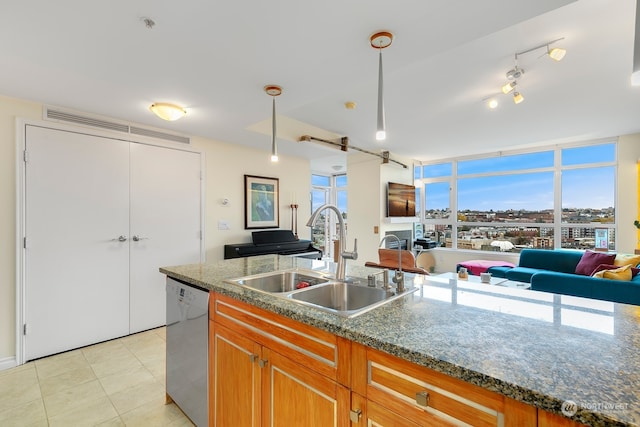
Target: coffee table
x,y
497,281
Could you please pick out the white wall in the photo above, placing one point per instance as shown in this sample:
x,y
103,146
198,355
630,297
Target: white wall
x,y
9,109
226,165
363,205
367,186
627,197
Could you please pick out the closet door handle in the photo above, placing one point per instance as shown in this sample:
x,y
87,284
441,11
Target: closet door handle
x,y
137,238
120,239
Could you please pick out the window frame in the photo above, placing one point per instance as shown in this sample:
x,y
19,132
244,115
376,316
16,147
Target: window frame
x,y
557,225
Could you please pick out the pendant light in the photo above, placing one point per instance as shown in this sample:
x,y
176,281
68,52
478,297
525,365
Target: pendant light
x,y
635,74
381,40
273,91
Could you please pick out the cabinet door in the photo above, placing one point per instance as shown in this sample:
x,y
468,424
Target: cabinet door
x,y
297,396
76,286
235,380
165,225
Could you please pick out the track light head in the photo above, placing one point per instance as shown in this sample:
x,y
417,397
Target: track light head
x,y
557,53
508,87
517,97
515,73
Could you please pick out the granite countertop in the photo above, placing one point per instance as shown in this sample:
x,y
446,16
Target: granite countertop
x,y
535,347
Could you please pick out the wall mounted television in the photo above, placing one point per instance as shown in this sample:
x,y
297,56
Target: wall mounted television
x,y
401,200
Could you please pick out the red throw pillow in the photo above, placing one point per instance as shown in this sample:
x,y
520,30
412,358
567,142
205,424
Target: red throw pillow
x,y
590,260
634,271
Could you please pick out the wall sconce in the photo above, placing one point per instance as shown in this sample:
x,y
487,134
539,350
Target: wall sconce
x,y
169,112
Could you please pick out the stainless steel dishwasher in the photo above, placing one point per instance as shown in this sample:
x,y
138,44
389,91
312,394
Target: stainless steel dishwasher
x,y
187,349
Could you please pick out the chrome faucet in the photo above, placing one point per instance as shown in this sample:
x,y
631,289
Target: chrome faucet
x,y
398,278
343,254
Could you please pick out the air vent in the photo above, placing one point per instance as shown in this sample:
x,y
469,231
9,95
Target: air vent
x,y
157,134
87,121
56,114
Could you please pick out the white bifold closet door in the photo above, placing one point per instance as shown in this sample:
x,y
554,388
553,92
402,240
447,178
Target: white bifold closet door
x,y
76,269
101,216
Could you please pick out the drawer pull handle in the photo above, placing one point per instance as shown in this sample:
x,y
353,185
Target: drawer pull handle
x,y
262,363
253,357
354,415
422,398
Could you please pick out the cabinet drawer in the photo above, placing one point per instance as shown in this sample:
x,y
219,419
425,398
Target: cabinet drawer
x,y
316,349
427,397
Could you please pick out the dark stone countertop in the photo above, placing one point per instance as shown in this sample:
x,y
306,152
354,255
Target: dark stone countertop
x,y
534,347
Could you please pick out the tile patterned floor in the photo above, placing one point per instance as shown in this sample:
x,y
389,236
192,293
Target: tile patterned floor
x,y
116,383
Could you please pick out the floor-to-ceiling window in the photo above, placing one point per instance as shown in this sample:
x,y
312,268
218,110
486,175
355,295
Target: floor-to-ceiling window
x,y
328,189
562,196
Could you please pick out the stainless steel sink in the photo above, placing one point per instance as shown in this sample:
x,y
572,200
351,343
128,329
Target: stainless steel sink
x,y
346,299
319,290
281,281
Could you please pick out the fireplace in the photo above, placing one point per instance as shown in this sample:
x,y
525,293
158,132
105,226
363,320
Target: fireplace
x,y
405,237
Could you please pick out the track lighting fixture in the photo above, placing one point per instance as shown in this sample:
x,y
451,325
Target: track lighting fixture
x,y
380,41
273,91
514,74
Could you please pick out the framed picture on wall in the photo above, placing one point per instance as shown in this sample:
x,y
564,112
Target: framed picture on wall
x,y
261,201
602,239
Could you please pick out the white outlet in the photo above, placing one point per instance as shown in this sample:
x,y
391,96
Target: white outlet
x,y
223,225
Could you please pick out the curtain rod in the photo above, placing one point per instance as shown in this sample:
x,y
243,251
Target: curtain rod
x,y
344,146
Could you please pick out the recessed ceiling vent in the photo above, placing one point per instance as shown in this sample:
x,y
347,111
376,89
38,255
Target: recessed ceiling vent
x,y
158,134
60,115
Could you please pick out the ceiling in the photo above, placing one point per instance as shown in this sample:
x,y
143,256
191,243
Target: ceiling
x,y
214,58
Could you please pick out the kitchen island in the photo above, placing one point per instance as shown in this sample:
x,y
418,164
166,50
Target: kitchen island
x,y
570,357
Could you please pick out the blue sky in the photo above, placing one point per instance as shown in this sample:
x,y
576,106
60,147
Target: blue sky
x,y
581,188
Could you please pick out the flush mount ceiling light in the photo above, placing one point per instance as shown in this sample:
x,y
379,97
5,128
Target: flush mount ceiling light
x,y
273,91
169,112
381,40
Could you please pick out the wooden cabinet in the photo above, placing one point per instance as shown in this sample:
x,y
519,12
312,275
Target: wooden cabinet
x,y
297,396
546,419
235,391
401,393
267,370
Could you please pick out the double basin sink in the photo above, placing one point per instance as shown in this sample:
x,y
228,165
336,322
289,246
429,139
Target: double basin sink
x,y
316,289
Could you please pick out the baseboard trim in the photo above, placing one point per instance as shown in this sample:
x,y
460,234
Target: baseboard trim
x,y
8,363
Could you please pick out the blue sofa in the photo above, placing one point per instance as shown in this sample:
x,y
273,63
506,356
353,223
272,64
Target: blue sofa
x,y
554,271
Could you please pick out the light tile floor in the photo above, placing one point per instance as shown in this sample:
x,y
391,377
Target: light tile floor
x,y
115,383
